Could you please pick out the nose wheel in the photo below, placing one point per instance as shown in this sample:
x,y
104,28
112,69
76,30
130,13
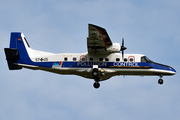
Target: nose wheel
x,y
160,81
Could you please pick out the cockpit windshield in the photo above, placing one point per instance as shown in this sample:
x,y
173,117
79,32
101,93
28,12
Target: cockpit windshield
x,y
145,59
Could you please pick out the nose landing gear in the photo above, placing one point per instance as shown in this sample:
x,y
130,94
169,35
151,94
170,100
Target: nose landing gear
x,y
160,81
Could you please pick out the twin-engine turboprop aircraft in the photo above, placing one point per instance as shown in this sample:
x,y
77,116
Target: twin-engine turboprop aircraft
x,y
101,62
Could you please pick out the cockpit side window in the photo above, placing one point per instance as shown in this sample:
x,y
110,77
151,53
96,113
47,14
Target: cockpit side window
x,y
145,59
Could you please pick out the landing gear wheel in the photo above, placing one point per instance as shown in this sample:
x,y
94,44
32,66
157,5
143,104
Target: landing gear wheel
x,y
160,81
95,72
96,85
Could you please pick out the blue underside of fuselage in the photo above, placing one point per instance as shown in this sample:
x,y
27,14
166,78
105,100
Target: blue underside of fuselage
x,y
78,64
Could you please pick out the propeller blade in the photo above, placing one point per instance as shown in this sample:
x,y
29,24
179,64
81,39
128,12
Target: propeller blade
x,y
123,48
122,41
123,54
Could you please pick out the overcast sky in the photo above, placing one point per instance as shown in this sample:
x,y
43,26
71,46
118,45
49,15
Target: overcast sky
x,y
150,27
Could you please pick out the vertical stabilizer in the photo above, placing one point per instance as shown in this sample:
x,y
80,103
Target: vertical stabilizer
x,y
18,41
17,50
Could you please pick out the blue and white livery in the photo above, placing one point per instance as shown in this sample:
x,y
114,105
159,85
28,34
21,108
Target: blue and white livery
x,y
101,62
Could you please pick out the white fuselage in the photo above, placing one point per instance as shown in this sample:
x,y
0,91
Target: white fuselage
x,y
82,64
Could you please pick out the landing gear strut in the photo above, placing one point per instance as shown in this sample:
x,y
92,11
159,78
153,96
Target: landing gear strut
x,y
160,81
95,74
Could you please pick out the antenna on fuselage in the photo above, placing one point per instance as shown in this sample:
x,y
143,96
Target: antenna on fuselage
x,y
123,48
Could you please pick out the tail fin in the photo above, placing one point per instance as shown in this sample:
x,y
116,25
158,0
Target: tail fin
x,y
17,50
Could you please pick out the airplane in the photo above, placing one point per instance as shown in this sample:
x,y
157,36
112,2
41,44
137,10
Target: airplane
x,y
102,61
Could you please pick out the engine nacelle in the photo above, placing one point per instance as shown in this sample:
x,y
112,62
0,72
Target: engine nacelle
x,y
114,48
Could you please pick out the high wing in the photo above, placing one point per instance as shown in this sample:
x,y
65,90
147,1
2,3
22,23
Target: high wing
x,y
98,40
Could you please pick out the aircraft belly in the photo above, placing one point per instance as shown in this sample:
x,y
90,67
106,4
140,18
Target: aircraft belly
x,y
109,72
143,72
85,72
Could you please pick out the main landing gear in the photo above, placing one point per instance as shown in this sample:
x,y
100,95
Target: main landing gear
x,y
95,75
160,81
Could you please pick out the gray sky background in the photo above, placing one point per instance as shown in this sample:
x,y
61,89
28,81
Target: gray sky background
x,y
150,27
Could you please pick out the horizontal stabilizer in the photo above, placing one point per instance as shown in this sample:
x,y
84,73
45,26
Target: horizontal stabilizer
x,y
12,55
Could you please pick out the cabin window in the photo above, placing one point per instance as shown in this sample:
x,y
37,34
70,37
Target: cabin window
x,y
90,59
100,59
83,59
131,59
65,59
106,59
125,59
74,59
117,59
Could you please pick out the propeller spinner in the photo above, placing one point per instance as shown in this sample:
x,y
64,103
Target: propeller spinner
x,y
123,48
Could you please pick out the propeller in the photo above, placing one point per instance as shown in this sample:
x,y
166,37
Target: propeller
x,y
123,48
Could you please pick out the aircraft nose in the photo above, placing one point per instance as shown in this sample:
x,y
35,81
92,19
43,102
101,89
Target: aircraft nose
x,y
170,70
173,70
